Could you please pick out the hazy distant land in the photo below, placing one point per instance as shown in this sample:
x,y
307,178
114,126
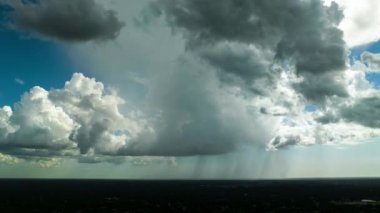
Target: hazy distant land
x,y
298,195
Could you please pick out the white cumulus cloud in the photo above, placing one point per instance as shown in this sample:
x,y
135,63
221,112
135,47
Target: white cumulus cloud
x,y
83,117
361,21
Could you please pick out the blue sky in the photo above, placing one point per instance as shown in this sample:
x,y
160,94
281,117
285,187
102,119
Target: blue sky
x,y
31,61
36,62
373,47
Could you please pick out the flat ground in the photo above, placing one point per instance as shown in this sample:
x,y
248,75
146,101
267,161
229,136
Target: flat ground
x,y
312,195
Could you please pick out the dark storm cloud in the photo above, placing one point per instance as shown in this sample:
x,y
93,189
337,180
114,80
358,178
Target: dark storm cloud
x,y
328,118
365,111
302,33
241,64
281,142
88,136
45,152
317,87
68,20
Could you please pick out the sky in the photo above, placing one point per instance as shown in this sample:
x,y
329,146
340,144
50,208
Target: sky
x,y
189,89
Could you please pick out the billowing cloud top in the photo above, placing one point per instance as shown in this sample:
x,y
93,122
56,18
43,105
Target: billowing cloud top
x,y
69,20
82,118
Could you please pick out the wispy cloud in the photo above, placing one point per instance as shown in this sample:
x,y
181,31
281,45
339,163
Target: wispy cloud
x,y
19,81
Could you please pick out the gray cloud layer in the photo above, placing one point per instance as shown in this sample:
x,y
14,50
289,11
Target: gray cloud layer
x,y
69,20
249,35
365,111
